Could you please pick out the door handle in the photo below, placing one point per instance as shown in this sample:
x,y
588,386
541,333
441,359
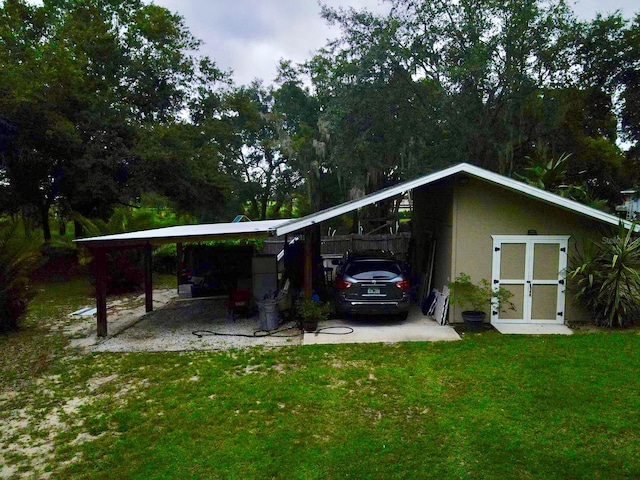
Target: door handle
x,y
529,282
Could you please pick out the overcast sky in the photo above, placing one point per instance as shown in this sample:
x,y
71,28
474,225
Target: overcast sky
x,y
251,36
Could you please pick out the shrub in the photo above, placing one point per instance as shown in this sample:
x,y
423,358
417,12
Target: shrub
x,y
314,310
605,278
165,259
19,256
479,296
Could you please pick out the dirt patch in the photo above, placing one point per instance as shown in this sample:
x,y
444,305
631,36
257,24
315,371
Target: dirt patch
x,y
122,313
97,382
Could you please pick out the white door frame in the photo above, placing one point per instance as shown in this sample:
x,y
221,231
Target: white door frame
x,y
530,241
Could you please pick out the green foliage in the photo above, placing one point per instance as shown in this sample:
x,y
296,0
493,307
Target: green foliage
x,y
551,175
265,179
481,66
102,101
255,242
610,55
181,162
311,310
19,256
479,296
547,175
606,278
125,267
83,83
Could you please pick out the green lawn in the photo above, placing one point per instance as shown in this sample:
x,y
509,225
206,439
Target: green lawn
x,y
490,406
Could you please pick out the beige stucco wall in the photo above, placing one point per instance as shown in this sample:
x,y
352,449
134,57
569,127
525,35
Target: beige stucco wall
x,y
481,209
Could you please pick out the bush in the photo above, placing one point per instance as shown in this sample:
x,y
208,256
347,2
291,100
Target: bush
x,y
605,278
19,256
165,259
59,263
479,296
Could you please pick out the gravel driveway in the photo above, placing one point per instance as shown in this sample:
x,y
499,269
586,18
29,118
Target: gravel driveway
x,y
171,329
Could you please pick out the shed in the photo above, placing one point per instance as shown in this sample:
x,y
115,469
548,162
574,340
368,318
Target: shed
x,y
489,226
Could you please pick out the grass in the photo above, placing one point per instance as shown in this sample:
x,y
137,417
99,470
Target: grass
x,y
490,406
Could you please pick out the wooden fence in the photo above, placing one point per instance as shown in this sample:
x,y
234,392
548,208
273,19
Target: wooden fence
x,y
339,244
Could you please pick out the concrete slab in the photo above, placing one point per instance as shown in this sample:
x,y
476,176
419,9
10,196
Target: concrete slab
x,y
416,328
532,329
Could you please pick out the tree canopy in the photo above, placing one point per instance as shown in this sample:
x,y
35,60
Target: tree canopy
x,y
102,101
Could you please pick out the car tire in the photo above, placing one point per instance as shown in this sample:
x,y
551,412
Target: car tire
x,y
403,315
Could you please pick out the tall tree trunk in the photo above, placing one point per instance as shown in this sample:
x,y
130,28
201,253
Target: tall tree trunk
x,y
26,223
263,207
78,229
44,219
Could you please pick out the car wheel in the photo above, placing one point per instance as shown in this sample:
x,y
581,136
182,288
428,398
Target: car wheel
x,y
403,315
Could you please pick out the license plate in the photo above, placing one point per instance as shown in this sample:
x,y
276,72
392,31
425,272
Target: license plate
x,y
373,291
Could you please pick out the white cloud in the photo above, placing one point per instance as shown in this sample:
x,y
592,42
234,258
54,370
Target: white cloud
x,y
251,36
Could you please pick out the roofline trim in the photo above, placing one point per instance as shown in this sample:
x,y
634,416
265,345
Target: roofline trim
x,y
552,198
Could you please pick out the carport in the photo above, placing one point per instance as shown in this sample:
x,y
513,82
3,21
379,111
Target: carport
x,y
145,239
308,226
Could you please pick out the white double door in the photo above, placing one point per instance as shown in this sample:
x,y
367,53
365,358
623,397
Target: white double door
x,y
533,269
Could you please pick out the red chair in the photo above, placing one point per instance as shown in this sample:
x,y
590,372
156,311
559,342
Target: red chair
x,y
238,301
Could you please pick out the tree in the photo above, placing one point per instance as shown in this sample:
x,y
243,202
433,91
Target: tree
x,y
580,122
479,64
610,56
264,176
82,83
18,258
308,141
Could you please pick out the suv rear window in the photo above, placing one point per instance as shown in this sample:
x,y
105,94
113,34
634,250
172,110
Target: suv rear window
x,y
371,269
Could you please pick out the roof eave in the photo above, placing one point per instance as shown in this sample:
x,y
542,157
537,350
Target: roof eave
x,y
466,168
98,243
321,216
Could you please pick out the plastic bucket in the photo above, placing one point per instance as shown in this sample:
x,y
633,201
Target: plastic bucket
x,y
268,314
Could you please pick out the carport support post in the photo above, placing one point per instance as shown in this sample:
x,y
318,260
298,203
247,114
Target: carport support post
x,y
308,263
148,279
179,266
100,256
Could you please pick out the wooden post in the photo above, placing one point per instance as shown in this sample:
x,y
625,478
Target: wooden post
x,y
148,278
180,265
308,263
100,257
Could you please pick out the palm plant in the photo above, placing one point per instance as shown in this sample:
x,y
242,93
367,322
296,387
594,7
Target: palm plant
x,y
606,277
19,256
551,174
546,174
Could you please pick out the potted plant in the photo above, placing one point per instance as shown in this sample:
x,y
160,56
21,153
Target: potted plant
x,y
479,296
311,313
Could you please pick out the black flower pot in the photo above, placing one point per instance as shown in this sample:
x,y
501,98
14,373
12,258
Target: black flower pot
x,y
310,324
473,320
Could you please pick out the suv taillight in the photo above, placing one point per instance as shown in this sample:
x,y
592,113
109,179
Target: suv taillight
x,y
403,285
342,284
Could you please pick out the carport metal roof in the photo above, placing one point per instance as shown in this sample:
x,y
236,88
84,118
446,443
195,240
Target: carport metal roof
x,y
187,233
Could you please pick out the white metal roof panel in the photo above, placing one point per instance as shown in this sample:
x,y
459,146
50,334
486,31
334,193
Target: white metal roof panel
x,y
186,233
466,168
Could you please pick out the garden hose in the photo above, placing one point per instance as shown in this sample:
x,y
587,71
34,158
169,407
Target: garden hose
x,y
275,333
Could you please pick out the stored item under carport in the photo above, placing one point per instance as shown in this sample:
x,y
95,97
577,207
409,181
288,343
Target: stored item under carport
x,y
268,313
